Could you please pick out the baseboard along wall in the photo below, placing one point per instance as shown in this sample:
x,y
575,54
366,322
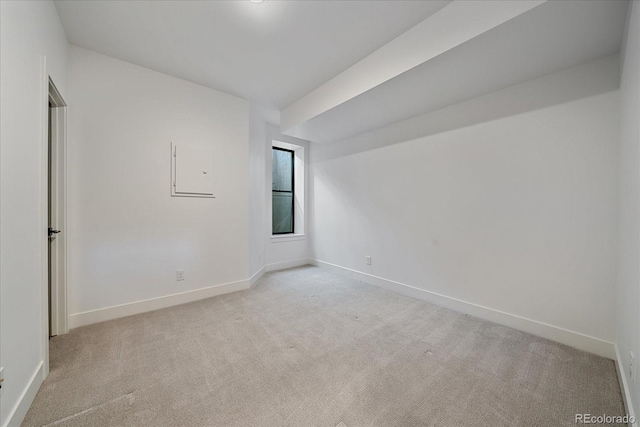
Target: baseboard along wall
x,y
109,313
624,387
553,333
255,277
19,411
288,264
129,309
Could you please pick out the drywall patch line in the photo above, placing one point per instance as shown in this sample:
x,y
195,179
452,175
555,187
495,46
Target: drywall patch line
x,y
21,408
460,21
554,333
129,309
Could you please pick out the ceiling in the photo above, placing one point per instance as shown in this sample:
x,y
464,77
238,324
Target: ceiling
x,y
336,69
272,53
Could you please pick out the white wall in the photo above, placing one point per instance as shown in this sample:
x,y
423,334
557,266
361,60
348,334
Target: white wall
x,y
265,252
516,213
127,236
29,30
284,252
257,194
628,295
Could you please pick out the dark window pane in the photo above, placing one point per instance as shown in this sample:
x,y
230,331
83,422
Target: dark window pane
x,y
282,213
282,170
282,191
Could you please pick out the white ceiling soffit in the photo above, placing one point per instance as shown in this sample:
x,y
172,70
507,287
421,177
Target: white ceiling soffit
x,y
271,53
584,80
543,39
451,26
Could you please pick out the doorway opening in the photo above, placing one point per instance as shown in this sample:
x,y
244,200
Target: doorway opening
x,y
56,213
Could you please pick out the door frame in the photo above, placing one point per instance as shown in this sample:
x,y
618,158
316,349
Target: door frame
x,y
59,315
58,211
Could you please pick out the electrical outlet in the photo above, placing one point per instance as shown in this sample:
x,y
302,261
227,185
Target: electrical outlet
x,y
179,275
368,260
632,367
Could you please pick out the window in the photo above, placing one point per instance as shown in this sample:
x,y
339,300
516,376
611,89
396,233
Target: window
x,y
282,191
287,209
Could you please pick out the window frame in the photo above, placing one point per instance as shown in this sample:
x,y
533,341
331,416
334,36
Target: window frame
x,y
293,192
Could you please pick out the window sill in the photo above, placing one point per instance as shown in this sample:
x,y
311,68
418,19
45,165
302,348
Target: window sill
x,y
287,238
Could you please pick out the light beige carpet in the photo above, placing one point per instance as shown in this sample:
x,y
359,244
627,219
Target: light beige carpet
x,y
307,347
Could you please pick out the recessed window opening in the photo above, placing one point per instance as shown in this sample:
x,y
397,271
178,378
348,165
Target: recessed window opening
x,y
282,191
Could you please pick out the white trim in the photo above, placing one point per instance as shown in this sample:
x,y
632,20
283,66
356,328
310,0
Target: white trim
x,y
59,260
301,190
288,264
281,238
257,276
287,145
63,321
564,336
108,313
44,220
624,387
19,411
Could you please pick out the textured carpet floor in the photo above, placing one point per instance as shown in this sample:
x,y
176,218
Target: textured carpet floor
x,y
307,347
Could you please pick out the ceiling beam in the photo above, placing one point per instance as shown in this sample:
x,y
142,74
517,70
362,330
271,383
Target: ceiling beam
x,y
451,26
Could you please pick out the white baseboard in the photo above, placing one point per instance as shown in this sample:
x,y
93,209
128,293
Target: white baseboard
x,y
624,386
129,309
288,264
19,411
554,333
257,276
109,313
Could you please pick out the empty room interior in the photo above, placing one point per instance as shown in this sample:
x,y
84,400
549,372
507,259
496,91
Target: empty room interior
x,y
320,213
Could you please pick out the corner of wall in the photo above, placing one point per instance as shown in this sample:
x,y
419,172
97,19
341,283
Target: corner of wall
x,y
628,289
624,386
27,396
